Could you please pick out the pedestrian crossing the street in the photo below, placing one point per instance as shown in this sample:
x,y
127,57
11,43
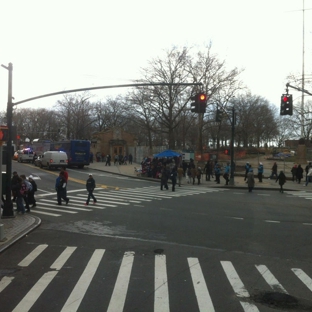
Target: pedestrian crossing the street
x,y
197,283
46,205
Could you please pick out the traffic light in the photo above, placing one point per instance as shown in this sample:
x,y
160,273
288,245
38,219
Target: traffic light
x,y
286,104
194,105
218,115
4,133
200,103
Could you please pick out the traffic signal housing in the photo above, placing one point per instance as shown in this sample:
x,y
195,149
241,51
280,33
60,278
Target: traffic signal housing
x,y
286,104
200,103
218,115
4,133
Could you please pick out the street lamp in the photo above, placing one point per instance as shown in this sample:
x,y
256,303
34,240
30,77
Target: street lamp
x,y
8,204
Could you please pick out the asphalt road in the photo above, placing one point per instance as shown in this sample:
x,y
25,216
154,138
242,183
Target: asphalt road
x,y
142,249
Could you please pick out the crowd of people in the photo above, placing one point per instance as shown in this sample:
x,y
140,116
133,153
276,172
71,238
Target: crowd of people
x,y
118,159
23,192
24,189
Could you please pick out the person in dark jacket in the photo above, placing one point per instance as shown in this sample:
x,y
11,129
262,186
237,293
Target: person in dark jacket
x,y
274,171
294,172
281,178
250,180
17,188
208,170
164,178
90,185
299,174
173,177
14,180
60,187
217,171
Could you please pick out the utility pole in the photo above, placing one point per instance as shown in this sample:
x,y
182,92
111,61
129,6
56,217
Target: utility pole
x,y
8,204
231,182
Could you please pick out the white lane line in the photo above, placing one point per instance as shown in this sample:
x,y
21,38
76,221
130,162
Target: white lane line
x,y
46,213
234,280
161,293
116,198
100,200
270,278
5,281
32,296
307,223
306,280
118,298
55,209
126,195
76,296
47,202
202,294
28,301
238,286
272,221
60,261
79,201
33,255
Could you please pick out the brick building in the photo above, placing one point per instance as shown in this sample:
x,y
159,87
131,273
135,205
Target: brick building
x,y
113,141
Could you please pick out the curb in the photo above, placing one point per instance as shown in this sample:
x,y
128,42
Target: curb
x,y
9,241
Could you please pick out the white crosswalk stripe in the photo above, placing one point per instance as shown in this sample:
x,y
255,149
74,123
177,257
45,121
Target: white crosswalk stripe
x,y
197,275
301,194
47,205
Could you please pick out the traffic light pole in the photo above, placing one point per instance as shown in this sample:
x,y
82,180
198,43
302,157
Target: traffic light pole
x,y
8,204
231,182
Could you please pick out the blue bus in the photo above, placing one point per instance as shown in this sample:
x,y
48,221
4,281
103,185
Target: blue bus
x,y
78,151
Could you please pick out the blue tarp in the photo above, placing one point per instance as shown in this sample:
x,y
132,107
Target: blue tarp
x,y
167,153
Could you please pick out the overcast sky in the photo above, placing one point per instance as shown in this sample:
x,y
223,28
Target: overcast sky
x,y
67,44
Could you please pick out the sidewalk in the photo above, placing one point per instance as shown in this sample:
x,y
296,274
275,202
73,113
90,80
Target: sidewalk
x,y
13,229
267,184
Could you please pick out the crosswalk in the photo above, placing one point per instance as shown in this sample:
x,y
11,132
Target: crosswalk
x,y
46,204
301,194
161,287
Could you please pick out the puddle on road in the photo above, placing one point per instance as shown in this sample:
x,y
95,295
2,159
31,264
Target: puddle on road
x,y
100,229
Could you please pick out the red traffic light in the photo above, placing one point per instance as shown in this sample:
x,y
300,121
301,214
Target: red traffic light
x,y
202,97
285,98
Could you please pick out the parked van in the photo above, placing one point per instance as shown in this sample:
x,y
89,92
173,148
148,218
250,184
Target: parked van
x,y
53,160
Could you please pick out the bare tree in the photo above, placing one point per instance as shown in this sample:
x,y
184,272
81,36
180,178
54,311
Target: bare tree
x,y
77,116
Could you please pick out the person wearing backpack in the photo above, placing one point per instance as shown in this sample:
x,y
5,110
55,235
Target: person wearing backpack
x,y
31,194
26,188
17,188
60,187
